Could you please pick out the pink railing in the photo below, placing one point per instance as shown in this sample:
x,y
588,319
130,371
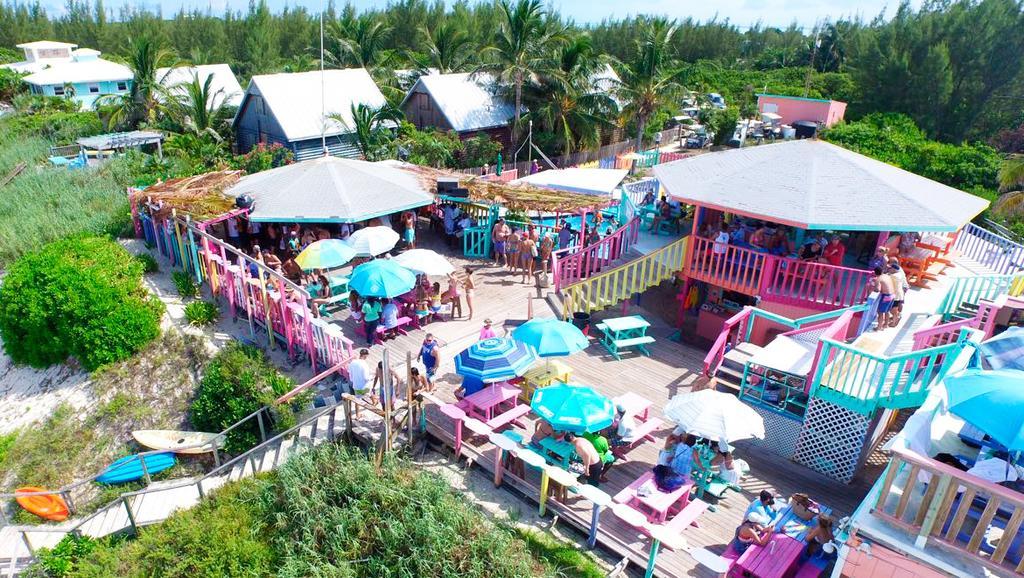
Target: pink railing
x,y
504,177
568,267
669,157
799,283
941,333
734,332
735,269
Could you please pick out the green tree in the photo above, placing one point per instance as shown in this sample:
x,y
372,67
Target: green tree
x,y
651,78
360,41
447,48
372,127
261,38
146,97
198,108
1011,174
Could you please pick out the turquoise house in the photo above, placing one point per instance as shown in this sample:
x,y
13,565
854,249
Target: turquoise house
x,y
84,78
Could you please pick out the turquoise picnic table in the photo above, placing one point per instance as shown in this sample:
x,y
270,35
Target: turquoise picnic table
x,y
339,284
624,333
557,452
786,522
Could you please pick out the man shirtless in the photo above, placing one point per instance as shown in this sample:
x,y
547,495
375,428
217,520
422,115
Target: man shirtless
x,y
588,455
498,234
883,283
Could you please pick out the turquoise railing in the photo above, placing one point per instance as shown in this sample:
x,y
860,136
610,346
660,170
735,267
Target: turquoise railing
x,y
971,290
476,242
863,382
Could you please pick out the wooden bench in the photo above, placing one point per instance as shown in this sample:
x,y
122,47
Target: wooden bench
x,y
508,417
687,517
811,568
637,342
399,328
643,431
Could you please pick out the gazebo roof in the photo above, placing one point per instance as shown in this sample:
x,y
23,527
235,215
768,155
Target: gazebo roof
x,y
330,190
813,184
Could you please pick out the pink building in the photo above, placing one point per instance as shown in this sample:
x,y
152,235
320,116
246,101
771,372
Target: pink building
x,y
795,108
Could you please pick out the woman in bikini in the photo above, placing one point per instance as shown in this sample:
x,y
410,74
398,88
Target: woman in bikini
x,y
544,253
469,285
512,251
527,254
454,294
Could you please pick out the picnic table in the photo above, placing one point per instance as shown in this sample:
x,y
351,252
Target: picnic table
x,y
634,404
339,284
773,560
915,263
621,333
557,452
645,496
484,404
544,375
786,522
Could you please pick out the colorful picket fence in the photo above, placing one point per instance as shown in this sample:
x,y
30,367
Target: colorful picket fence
x,y
995,251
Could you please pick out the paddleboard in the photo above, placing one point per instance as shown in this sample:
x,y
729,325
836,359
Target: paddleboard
x,y
178,442
129,468
49,507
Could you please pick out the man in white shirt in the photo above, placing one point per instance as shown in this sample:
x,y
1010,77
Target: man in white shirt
x,y
233,237
625,431
721,241
359,373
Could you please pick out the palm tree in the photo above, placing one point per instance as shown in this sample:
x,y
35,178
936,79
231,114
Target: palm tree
x,y
523,40
1011,175
372,127
360,42
147,94
652,79
447,46
198,108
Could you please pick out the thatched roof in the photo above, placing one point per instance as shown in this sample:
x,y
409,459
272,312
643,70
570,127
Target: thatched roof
x,y
200,196
521,197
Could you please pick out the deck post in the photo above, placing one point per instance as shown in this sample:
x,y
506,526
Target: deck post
x,y
199,487
655,545
263,430
499,466
544,482
386,394
145,470
131,515
583,229
595,519
66,495
408,398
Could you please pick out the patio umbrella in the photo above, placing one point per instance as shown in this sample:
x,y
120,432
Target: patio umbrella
x,y
425,261
495,359
1006,350
381,278
573,408
715,416
551,337
325,254
372,241
992,401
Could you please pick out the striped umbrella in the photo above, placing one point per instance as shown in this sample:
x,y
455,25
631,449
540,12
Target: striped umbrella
x,y
325,254
495,359
573,408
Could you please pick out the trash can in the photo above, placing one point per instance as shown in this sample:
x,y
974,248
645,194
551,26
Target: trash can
x,y
582,321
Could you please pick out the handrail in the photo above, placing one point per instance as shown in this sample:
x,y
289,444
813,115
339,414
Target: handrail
x,y
620,283
1003,255
587,260
799,282
941,333
312,381
973,289
733,268
726,339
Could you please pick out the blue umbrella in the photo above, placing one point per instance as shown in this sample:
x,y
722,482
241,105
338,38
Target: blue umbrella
x,y
992,401
495,359
573,408
382,278
1006,350
551,337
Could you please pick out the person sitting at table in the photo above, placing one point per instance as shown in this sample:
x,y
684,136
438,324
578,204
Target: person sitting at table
x,y
588,454
625,431
664,214
820,534
603,448
470,385
648,200
422,306
759,240
755,529
435,301
389,316
320,292
780,244
679,454
487,332
811,252
764,505
541,429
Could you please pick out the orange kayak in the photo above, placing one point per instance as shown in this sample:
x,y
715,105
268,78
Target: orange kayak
x,y
49,507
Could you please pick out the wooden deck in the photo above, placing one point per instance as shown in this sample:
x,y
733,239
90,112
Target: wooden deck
x,y
672,368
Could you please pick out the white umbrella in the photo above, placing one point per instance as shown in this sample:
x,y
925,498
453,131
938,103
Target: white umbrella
x,y
372,241
425,261
715,415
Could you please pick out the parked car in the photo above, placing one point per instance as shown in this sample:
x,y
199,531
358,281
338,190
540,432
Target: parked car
x,y
716,100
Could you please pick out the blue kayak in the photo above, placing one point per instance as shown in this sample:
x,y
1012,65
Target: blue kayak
x,y
129,468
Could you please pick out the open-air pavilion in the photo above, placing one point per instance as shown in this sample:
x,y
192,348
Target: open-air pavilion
x,y
590,181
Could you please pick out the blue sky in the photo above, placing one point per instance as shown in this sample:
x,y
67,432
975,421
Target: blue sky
x,y
740,12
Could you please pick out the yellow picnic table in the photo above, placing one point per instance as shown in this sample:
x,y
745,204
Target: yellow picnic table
x,y
543,375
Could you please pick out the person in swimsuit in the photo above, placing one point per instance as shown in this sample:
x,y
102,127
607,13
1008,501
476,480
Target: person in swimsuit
x,y
410,229
527,254
900,288
435,300
755,529
498,235
882,283
469,285
512,251
544,253
422,301
454,294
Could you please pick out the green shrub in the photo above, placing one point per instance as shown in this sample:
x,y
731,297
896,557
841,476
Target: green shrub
x,y
6,443
10,84
80,297
63,559
202,312
185,284
239,381
149,264
59,127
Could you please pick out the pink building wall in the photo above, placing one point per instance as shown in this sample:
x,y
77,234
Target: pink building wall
x,y
792,108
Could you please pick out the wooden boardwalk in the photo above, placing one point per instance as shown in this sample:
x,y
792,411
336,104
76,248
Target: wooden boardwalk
x,y
673,368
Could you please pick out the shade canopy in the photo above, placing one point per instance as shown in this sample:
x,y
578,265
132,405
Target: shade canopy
x,y
812,184
372,241
590,181
1006,350
425,261
715,415
551,337
381,278
495,359
325,254
330,190
573,408
992,401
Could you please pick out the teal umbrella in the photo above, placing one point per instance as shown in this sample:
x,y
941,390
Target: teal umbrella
x,y
381,278
573,408
992,401
551,337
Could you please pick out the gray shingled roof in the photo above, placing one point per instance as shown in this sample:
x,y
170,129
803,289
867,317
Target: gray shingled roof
x,y
330,190
467,101
817,185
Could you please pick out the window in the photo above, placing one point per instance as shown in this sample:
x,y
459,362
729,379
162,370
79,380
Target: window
x,y
424,101
122,86
94,89
58,90
771,107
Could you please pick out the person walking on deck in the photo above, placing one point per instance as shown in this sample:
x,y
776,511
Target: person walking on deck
x,y
498,235
883,283
900,288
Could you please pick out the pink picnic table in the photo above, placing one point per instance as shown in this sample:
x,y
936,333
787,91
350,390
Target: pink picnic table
x,y
773,560
635,405
484,403
656,504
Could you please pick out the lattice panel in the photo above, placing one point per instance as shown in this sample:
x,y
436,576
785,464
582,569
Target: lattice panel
x,y
780,433
832,439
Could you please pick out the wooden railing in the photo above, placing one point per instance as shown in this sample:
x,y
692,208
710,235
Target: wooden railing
x,y
734,332
990,249
941,506
608,288
937,334
569,266
735,268
971,290
801,283
862,381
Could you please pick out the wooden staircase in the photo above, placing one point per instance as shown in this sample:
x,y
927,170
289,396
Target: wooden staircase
x,y
729,376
